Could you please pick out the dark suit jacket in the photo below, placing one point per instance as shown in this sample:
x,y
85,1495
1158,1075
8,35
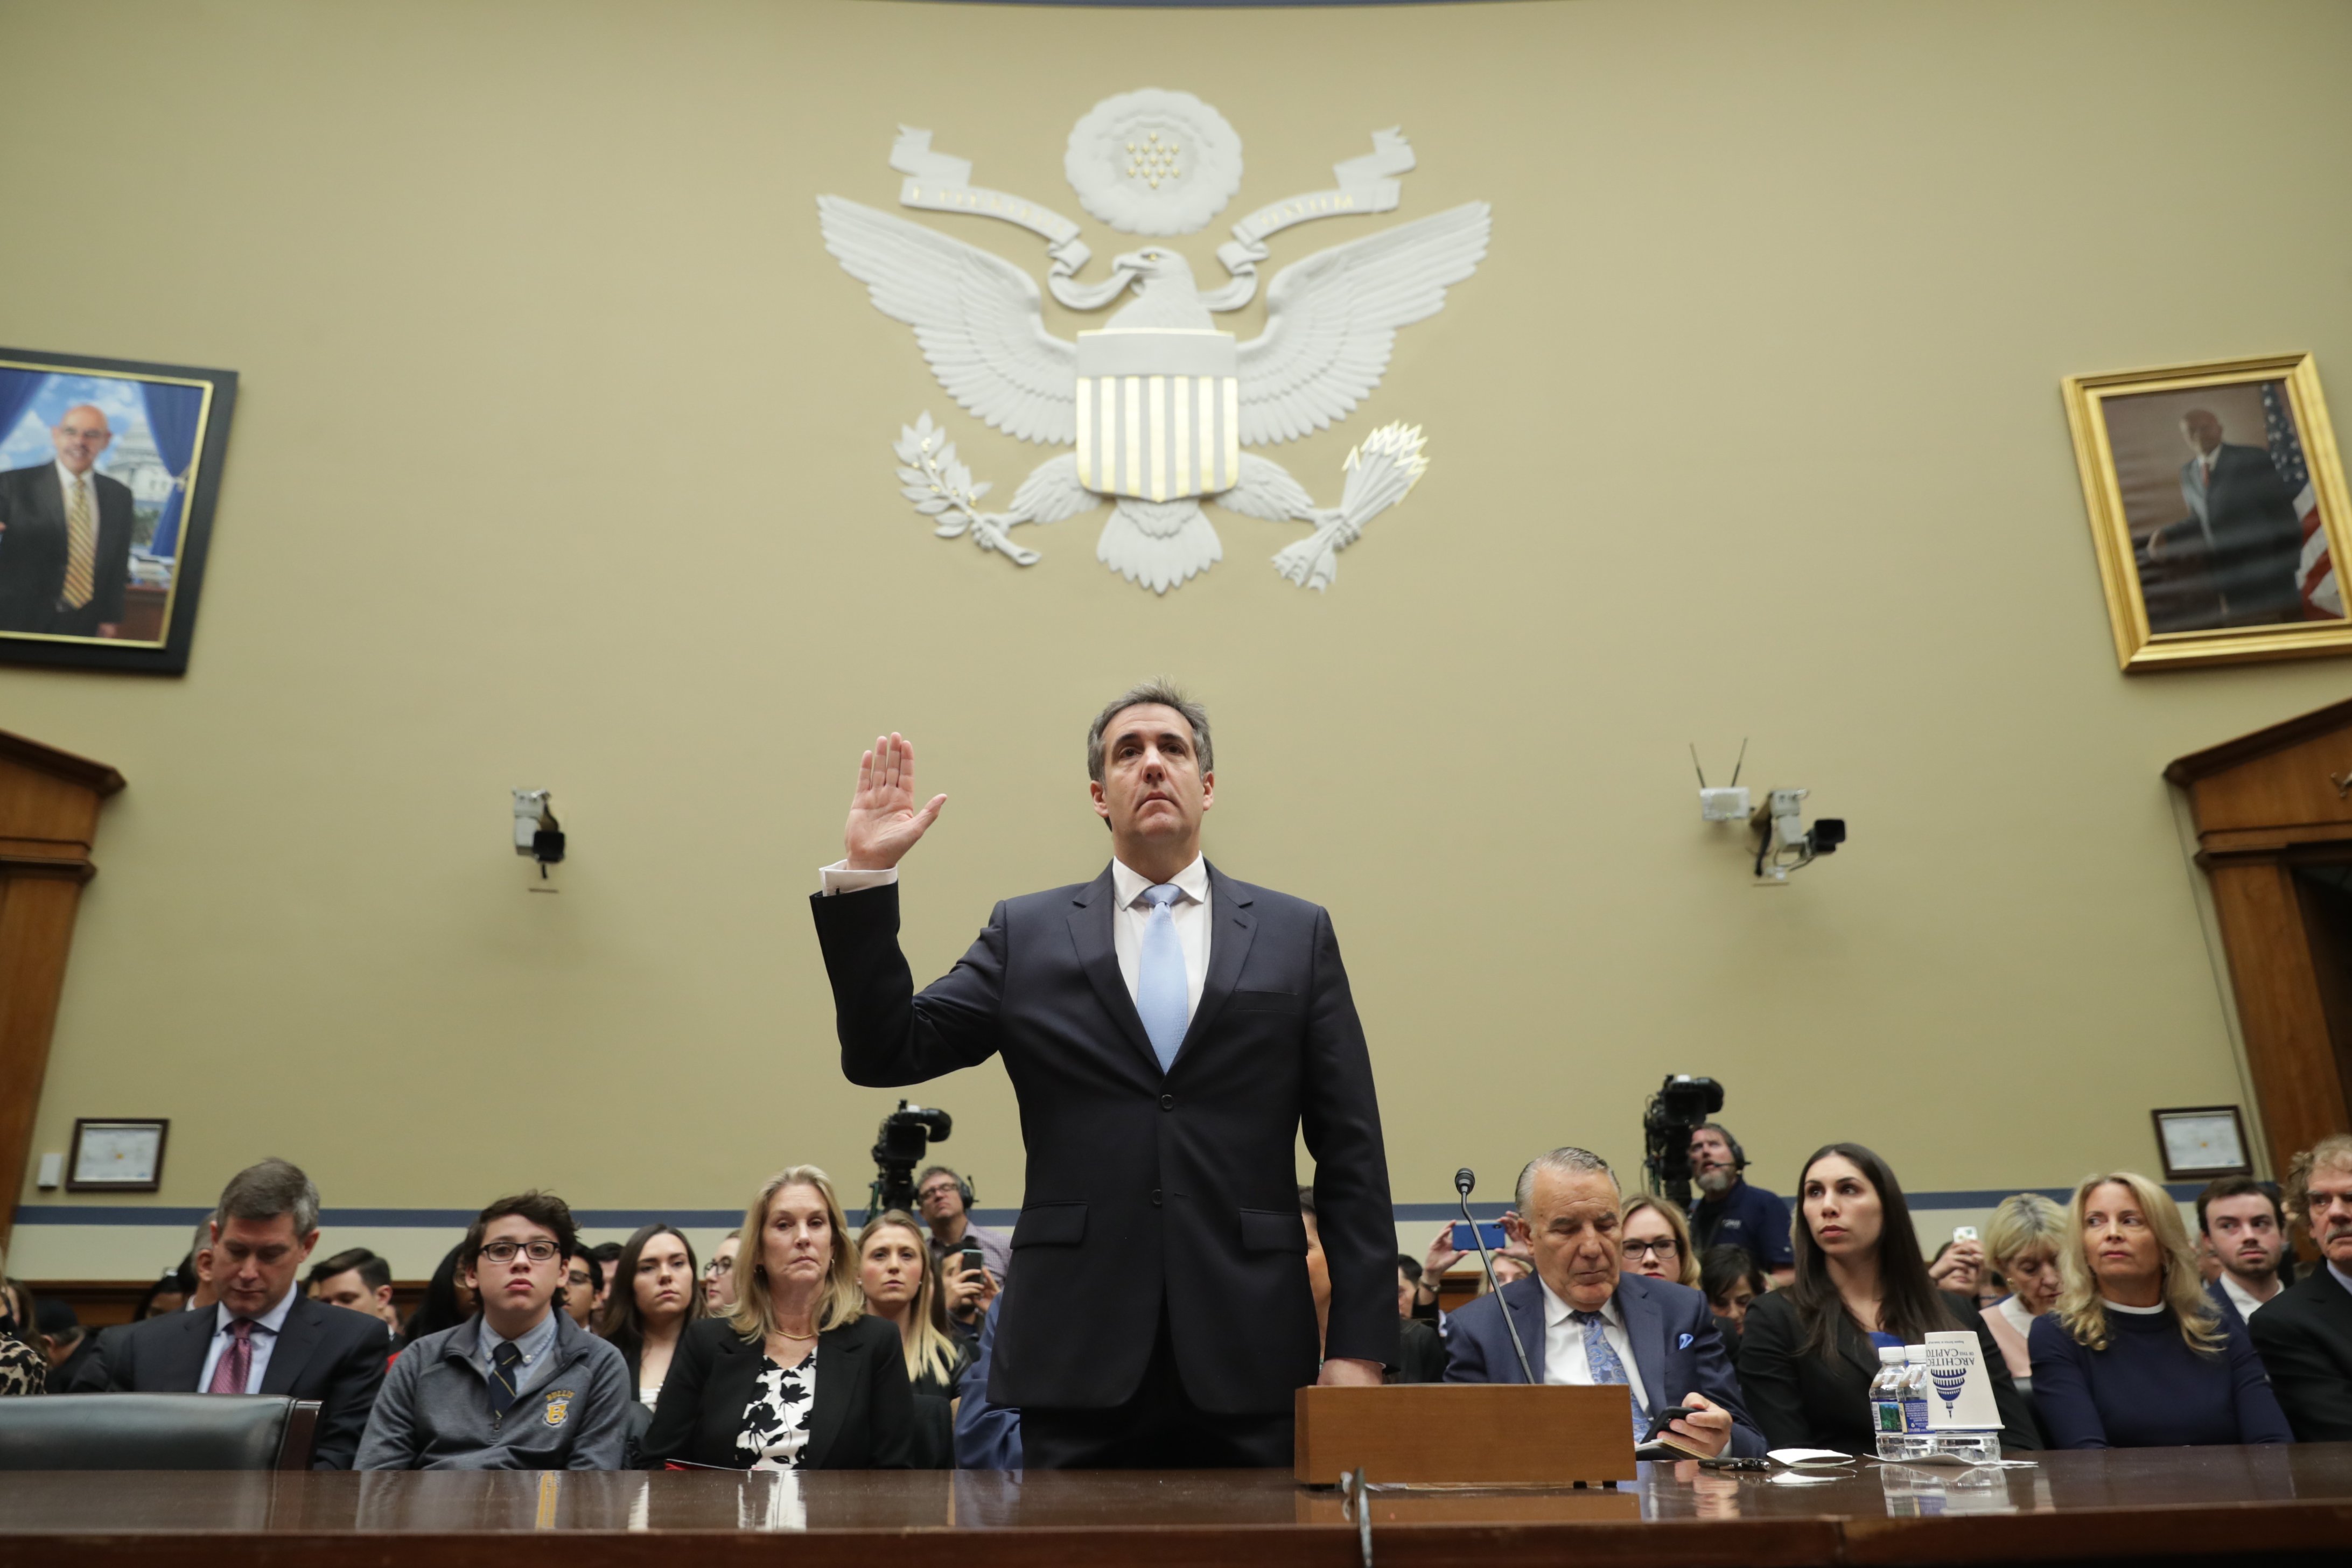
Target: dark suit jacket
x,y
1151,1197
2245,529
1675,1347
2303,1335
33,548
1804,1401
862,1417
332,1354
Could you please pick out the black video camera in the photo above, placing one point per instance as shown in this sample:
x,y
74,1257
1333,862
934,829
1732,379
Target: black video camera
x,y
906,1134
1678,1109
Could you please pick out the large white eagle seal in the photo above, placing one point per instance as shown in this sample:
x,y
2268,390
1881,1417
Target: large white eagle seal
x,y
1159,402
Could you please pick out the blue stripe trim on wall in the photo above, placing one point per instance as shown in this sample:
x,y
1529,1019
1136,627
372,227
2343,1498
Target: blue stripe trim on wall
x,y
728,1219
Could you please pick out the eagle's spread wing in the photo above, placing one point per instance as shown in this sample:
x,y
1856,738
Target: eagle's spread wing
x,y
976,316
1331,320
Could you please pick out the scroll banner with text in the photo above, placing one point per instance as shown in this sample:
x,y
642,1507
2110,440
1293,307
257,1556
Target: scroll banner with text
x,y
939,182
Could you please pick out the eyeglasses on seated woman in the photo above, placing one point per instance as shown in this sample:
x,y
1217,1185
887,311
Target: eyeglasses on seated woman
x,y
1808,1351
798,1376
2134,1354
1654,1239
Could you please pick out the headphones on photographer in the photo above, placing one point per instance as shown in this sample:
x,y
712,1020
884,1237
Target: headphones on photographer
x,y
1739,1156
964,1190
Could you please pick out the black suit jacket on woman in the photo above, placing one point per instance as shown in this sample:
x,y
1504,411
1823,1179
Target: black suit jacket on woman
x,y
862,1417
1803,1401
1151,1196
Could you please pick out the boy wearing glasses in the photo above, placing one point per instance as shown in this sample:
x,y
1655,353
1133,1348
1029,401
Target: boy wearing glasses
x,y
520,1386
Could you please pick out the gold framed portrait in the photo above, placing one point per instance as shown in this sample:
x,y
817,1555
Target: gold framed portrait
x,y
2217,509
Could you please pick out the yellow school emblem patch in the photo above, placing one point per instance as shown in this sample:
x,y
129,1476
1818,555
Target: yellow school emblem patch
x,y
559,1406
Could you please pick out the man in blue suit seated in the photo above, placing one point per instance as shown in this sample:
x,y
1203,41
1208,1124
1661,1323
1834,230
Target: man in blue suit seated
x,y
1582,1320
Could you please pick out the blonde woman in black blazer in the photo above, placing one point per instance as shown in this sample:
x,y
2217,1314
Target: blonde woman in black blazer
x,y
798,1377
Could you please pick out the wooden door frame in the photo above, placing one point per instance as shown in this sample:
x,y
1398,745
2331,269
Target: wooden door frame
x,y
2264,803
48,821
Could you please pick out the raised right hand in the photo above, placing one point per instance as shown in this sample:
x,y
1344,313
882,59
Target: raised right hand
x,y
883,821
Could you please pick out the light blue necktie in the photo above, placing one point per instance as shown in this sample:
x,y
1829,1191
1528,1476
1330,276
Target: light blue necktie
x,y
1162,995
1601,1362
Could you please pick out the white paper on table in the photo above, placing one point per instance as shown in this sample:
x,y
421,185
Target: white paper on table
x,y
1809,1458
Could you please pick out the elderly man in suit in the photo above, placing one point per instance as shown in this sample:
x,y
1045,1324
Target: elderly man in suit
x,y
1581,1319
2303,1334
65,536
1169,1031
2241,526
263,1336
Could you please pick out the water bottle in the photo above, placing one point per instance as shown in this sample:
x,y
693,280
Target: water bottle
x,y
1887,1405
1917,1392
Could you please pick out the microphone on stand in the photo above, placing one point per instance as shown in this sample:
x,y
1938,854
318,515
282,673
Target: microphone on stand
x,y
1463,1180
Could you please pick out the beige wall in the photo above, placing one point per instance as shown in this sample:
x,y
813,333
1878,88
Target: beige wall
x,y
564,459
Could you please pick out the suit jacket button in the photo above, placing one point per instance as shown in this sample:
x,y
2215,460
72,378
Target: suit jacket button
x,y
1155,1197
1167,1102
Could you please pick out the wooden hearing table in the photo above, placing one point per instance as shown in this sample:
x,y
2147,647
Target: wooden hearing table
x,y
2278,1505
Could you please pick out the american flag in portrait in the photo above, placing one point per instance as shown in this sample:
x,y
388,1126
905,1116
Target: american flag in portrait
x,y
2323,596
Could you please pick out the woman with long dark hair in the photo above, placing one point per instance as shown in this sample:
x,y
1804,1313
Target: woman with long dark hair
x,y
1808,1351
655,1291
448,1302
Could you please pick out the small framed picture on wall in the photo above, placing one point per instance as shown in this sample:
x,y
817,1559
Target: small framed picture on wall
x,y
116,1155
108,473
2202,1141
2218,510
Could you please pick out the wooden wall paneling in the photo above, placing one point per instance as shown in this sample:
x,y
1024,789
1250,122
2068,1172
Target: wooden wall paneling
x,y
35,930
2280,1007
48,819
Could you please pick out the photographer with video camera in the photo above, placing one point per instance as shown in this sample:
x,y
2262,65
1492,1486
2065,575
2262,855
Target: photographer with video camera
x,y
1735,1212
973,1260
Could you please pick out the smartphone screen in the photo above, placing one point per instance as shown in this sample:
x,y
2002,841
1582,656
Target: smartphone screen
x,y
1488,1232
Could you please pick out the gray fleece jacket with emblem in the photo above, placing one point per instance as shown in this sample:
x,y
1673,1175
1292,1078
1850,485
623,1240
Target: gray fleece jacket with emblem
x,y
434,1412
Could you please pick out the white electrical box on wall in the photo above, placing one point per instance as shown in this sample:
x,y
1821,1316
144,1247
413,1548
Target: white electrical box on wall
x,y
1724,805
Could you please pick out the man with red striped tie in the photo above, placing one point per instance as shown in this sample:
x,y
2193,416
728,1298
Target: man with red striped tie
x,y
261,1337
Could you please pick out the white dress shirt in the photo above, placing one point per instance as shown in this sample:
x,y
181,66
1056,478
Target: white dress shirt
x,y
1564,1360
1190,914
265,1329
2243,1299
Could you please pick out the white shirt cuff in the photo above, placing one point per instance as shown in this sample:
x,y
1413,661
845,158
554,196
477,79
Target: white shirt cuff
x,y
838,878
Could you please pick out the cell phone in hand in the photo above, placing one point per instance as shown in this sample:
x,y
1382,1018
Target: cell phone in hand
x,y
1964,1233
1663,1442
1489,1231
973,1258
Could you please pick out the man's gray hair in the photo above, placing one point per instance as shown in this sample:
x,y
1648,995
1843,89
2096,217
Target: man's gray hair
x,y
273,1187
1569,1161
1167,696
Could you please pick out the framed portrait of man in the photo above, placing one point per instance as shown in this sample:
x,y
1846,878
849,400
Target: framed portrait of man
x,y
2217,509
108,473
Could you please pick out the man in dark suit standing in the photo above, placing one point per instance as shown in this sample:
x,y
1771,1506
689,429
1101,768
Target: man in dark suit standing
x,y
1582,1320
262,1337
2304,1333
2241,526
65,537
1169,1031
